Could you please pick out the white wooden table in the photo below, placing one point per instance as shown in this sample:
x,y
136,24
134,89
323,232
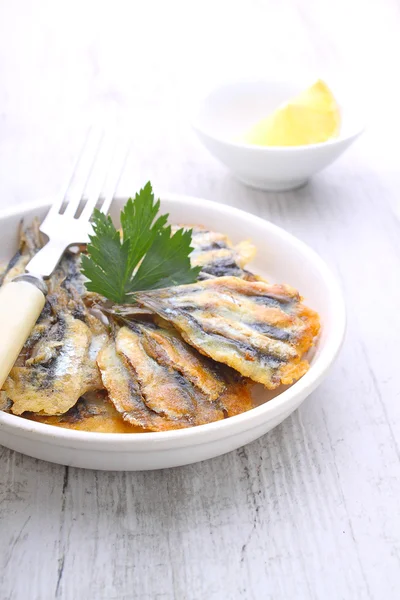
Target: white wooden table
x,y
311,510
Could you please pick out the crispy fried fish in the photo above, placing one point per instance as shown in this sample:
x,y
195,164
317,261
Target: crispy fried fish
x,y
30,241
260,330
92,412
159,382
5,403
58,362
217,256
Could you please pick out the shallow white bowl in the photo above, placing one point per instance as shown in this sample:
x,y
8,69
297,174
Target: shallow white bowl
x,y
232,108
282,258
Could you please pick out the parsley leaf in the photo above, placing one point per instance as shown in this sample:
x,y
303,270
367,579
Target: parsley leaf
x,y
106,255
166,263
137,224
146,257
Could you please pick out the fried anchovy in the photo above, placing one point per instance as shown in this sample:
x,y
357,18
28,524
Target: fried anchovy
x,y
92,412
30,242
57,364
260,330
217,256
159,382
5,402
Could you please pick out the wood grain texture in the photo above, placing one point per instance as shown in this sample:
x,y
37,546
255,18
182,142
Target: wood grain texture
x,y
311,510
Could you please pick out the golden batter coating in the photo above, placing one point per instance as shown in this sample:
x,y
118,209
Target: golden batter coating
x,y
217,256
93,412
158,382
58,362
261,330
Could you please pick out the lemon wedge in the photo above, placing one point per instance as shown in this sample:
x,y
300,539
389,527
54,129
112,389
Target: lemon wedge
x,y
310,118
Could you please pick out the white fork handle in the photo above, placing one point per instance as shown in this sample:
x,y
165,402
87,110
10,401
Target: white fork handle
x,y
20,306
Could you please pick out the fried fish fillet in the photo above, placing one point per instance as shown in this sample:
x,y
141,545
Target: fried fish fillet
x,y
217,256
158,382
92,412
261,330
30,241
57,364
5,402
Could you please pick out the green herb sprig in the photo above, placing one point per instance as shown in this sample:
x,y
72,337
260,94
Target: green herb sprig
x,y
145,257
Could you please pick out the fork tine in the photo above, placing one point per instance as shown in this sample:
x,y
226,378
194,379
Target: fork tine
x,y
57,204
64,229
85,167
99,177
114,177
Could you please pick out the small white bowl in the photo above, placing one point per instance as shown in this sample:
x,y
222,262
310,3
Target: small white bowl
x,y
232,108
281,258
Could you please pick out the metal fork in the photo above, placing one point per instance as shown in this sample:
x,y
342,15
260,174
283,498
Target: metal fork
x,y
67,223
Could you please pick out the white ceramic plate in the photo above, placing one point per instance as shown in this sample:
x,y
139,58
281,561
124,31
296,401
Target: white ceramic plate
x,y
280,257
